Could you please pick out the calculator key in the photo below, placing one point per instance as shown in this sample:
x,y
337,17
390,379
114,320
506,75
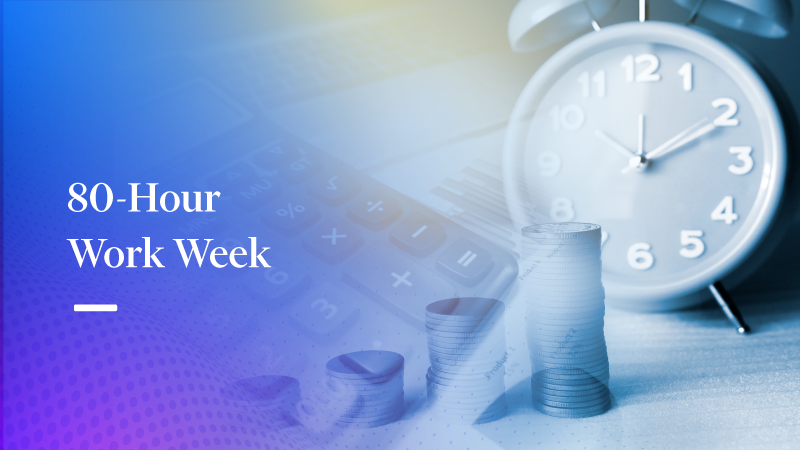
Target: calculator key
x,y
255,194
300,169
235,175
374,210
418,234
324,311
276,153
465,262
390,277
333,240
290,215
278,285
334,187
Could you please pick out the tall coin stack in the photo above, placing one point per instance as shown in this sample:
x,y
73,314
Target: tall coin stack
x,y
560,271
467,348
365,388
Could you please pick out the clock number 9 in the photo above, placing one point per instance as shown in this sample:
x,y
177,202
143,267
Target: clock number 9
x,y
693,246
549,163
639,256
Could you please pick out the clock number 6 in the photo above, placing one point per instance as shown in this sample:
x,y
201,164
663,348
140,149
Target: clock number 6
x,y
639,256
693,246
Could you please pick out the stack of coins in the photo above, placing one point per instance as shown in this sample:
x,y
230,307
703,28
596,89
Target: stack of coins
x,y
467,348
560,273
268,401
365,388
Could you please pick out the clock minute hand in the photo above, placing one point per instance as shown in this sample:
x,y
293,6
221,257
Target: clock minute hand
x,y
681,139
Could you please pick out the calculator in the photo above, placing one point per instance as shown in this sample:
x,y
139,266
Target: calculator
x,y
341,243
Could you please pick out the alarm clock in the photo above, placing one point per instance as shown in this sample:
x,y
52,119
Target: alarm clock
x,y
664,136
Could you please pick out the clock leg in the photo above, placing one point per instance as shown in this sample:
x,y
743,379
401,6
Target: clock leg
x,y
726,303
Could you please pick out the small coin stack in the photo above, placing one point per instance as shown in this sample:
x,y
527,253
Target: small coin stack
x,y
560,271
467,348
268,401
365,388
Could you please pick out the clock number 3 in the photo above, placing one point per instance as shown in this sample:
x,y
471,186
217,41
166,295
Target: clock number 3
x,y
743,154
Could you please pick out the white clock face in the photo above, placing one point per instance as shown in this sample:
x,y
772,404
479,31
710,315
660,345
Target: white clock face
x,y
671,152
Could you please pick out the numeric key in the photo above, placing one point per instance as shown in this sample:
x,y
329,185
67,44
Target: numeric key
x,y
323,312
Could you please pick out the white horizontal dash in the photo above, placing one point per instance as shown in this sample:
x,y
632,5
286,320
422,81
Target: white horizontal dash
x,y
120,199
95,308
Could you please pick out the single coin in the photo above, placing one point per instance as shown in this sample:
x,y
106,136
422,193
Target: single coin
x,y
364,382
568,358
377,423
562,251
569,369
460,369
462,340
577,350
365,388
466,348
487,352
497,327
561,322
453,334
565,230
459,322
478,379
364,364
572,412
464,393
586,363
543,400
538,384
365,414
359,398
580,393
472,307
566,382
552,376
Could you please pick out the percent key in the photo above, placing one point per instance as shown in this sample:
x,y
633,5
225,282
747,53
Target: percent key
x,y
290,215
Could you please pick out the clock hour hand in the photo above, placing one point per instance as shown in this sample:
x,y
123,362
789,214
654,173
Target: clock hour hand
x,y
614,144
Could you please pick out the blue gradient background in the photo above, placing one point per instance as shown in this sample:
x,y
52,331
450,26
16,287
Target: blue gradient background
x,y
153,374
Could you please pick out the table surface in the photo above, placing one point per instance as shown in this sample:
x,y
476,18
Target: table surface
x,y
679,380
